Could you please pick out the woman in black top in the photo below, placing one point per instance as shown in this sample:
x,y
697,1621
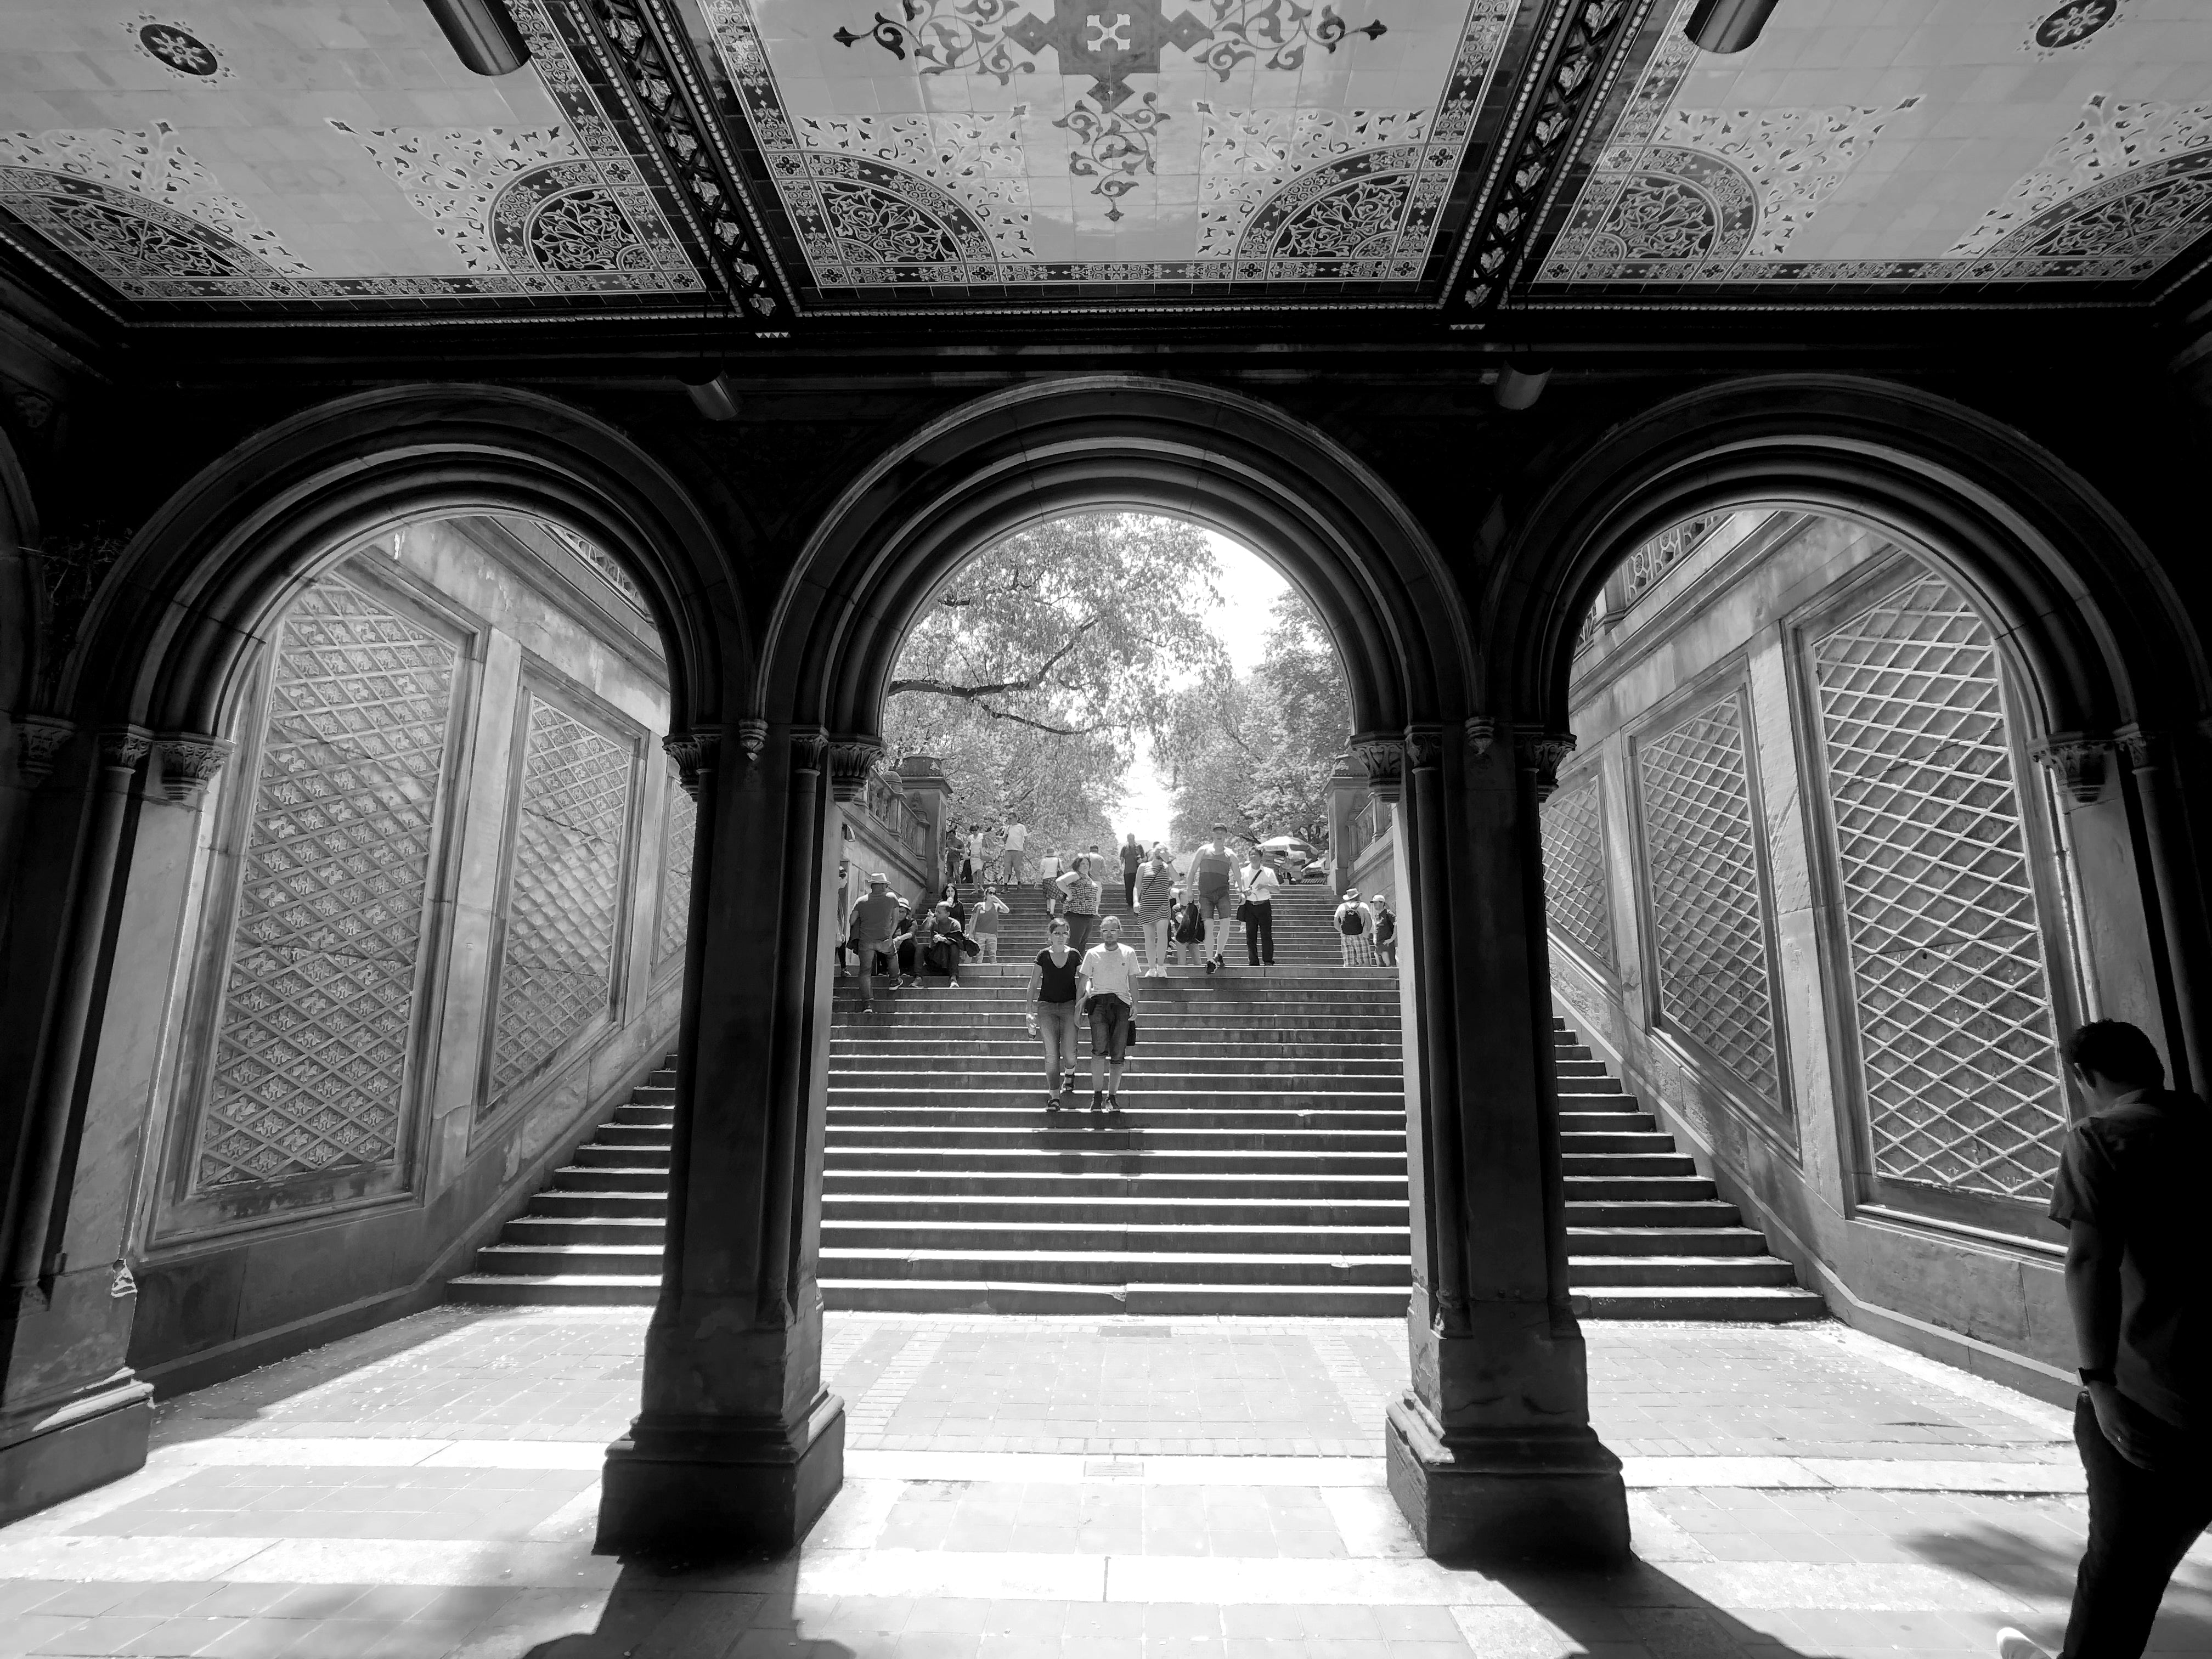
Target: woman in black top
x,y
1051,999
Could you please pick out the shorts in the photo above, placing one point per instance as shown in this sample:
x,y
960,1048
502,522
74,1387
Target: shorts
x,y
1110,1029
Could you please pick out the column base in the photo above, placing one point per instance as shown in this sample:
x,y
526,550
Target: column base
x,y
704,1490
1507,1495
57,1451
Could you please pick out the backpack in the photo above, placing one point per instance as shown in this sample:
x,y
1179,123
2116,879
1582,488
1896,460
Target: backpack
x,y
1190,926
1348,919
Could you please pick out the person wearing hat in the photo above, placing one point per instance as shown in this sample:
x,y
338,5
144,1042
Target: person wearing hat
x,y
875,920
1212,874
1355,929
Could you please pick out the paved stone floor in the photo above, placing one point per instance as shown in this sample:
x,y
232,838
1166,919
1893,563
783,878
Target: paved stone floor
x,y
1208,1489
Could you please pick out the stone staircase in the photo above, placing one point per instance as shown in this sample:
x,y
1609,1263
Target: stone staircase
x,y
1258,1165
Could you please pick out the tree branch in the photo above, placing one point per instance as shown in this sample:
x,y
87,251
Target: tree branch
x,y
975,693
1034,726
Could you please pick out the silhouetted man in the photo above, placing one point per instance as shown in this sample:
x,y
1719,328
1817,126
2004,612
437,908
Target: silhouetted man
x,y
2131,1194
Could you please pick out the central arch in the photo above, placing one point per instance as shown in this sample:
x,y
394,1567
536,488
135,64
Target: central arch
x,y
1491,1448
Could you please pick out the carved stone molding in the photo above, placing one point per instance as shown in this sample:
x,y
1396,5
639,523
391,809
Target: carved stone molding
x,y
39,740
1481,733
2078,764
851,763
752,740
694,753
1424,747
1542,752
189,763
1384,759
123,747
2139,748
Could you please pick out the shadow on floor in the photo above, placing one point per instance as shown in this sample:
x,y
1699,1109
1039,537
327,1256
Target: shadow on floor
x,y
2041,1570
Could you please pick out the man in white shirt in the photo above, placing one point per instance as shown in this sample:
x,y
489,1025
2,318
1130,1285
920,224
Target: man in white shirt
x,y
1048,880
1106,990
1017,838
1257,886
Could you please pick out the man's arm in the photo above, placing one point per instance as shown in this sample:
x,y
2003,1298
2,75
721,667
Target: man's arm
x,y
2092,1294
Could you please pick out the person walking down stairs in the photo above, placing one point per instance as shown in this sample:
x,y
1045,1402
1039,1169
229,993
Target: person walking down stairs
x,y
1108,988
1080,896
1050,1002
875,919
984,926
1257,909
1155,905
1212,871
1132,856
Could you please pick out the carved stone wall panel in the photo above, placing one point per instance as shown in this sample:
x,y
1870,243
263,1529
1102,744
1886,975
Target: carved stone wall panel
x,y
678,849
311,1067
1709,900
564,893
1961,1077
1574,868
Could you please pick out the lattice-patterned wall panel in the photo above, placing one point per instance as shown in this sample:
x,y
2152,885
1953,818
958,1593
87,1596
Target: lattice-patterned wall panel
x,y
1574,868
1961,1075
564,892
676,854
1708,893
312,1042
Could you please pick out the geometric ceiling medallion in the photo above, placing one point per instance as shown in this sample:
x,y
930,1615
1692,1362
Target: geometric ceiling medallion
x,y
2074,24
177,48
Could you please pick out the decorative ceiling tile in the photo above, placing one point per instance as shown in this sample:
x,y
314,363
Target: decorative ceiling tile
x,y
1214,143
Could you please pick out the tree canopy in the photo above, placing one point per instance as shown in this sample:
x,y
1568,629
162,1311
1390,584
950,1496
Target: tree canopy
x,y
1037,666
1255,752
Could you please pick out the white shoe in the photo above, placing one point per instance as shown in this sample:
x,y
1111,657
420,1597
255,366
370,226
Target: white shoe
x,y
2015,1644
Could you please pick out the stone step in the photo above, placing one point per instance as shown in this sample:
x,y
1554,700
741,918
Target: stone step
x,y
1602,1188
1177,1060
1061,1182
1628,1164
594,1156
1764,1305
1106,1267
1608,1123
1389,1114
1189,1300
1599,1141
1685,1239
1106,1156
1094,1238
1623,1271
1650,1212
908,1210
1137,1136
1138,1091
561,1290
953,1076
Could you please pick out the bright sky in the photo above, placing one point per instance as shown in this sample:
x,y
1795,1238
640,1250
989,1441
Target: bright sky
x,y
1249,586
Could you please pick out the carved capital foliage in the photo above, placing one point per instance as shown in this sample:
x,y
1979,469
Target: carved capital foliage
x,y
2139,748
1424,747
853,760
39,740
1384,759
189,763
1481,733
1542,752
694,753
752,740
810,749
123,747
2078,764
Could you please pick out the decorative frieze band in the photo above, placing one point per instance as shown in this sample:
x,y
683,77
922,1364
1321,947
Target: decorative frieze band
x,y
189,763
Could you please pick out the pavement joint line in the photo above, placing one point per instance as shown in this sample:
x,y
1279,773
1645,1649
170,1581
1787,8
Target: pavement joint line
x,y
871,1413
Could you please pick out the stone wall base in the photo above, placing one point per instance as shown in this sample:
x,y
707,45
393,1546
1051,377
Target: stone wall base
x,y
705,1492
1499,1498
99,1437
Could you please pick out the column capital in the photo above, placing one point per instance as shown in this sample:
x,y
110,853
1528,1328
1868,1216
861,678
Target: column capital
x,y
39,741
2142,750
811,748
1541,750
852,758
189,763
695,753
752,739
2077,761
1383,758
122,747
1425,746
1481,733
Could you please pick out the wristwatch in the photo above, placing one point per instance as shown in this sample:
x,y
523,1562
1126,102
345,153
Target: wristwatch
x,y
2097,1374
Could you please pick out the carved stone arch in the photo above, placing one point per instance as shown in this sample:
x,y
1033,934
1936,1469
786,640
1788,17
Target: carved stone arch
x,y
2065,582
1106,441
166,637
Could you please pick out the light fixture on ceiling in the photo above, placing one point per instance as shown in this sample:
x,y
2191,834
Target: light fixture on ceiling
x,y
1727,26
712,395
1520,383
483,34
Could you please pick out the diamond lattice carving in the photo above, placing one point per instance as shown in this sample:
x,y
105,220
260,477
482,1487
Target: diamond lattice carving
x,y
676,874
1954,1002
1574,868
1707,897
564,894
311,1059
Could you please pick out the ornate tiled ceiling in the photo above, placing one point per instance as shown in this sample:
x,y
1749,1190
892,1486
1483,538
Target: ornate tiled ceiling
x,y
776,160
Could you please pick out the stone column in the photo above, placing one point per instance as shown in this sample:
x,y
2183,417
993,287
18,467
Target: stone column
x,y
1345,783
1490,1454
739,1448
